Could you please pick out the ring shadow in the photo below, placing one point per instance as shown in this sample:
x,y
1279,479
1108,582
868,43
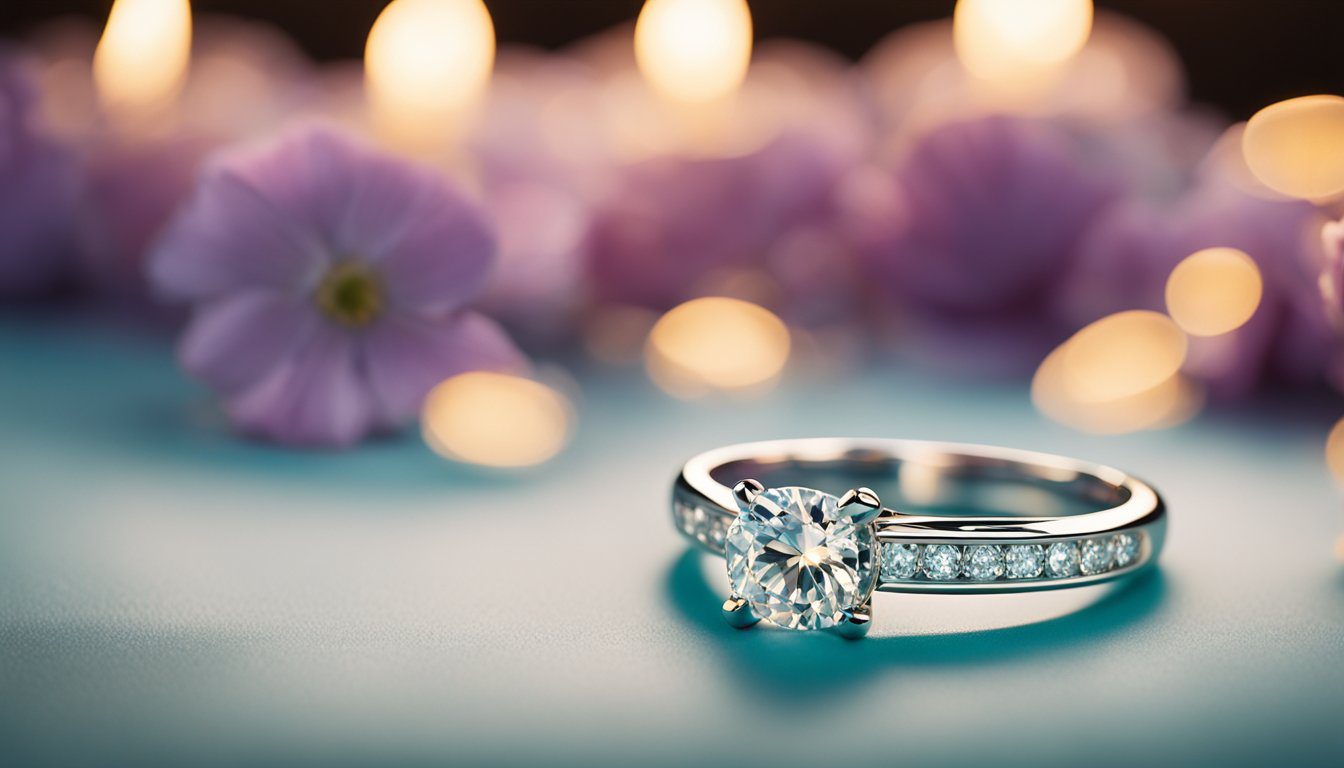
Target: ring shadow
x,y
774,662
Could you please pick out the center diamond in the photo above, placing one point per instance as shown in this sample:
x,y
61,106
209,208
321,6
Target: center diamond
x,y
797,561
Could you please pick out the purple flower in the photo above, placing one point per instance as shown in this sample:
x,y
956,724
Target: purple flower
x,y
329,284
1289,341
244,79
39,187
673,226
537,159
536,289
986,219
1125,260
131,192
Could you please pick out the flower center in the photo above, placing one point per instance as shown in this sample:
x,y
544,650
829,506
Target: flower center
x,y
350,294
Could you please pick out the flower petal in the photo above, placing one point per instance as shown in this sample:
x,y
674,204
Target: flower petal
x,y
407,356
234,341
232,235
315,397
432,245
443,261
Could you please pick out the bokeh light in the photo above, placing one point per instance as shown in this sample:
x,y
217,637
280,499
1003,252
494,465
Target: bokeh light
x,y
1015,43
142,58
496,420
694,51
1334,451
1214,291
1168,403
426,62
716,344
1119,374
1122,355
1296,147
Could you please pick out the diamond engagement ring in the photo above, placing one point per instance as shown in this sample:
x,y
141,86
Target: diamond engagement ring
x,y
960,519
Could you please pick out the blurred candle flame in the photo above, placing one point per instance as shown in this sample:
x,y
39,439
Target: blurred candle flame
x,y
694,51
1214,291
426,63
496,420
141,60
1016,43
1296,147
716,344
1119,374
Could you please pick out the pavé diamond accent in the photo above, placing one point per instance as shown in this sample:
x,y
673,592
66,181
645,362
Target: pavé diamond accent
x,y
988,562
708,528
984,563
1062,559
716,532
899,561
1024,561
941,562
1095,556
797,562
685,516
1126,548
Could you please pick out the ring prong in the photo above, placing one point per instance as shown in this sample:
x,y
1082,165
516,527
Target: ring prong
x,y
856,621
746,492
738,614
861,505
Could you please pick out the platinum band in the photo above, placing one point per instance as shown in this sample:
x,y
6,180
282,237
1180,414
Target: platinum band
x,y
942,493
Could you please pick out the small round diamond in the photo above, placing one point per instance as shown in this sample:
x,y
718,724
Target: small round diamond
x,y
1126,548
1024,561
984,563
941,562
899,561
1062,559
697,520
685,515
716,532
1096,556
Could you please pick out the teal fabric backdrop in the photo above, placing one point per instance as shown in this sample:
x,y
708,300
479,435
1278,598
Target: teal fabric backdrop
x,y
172,595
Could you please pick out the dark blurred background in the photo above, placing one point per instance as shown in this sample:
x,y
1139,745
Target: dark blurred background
x,y
1239,54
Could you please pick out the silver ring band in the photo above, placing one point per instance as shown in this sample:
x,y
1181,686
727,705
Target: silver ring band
x,y
990,514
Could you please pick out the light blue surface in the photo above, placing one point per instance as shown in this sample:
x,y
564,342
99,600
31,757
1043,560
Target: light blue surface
x,y
171,595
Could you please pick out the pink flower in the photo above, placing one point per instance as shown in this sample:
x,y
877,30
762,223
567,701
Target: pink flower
x,y
329,285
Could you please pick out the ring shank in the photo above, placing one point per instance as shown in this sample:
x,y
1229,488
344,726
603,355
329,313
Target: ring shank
x,y
938,493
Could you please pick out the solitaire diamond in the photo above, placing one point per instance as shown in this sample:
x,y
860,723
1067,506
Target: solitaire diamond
x,y
899,561
1062,559
1024,561
1096,556
984,563
941,562
797,561
1126,548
